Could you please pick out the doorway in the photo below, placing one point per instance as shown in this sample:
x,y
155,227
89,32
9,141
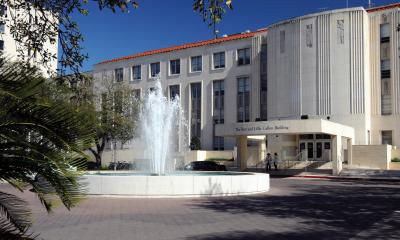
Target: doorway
x,y
318,146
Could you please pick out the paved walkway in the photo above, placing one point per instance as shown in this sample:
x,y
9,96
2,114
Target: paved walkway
x,y
293,209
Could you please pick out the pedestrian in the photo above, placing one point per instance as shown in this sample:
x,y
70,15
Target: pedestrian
x,y
268,161
276,161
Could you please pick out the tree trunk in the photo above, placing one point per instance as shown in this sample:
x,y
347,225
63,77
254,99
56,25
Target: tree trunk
x,y
98,152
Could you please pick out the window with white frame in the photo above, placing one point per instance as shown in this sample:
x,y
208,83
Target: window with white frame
x,y
387,137
3,11
218,103
243,56
136,73
196,64
154,69
243,99
175,67
173,92
2,27
219,60
119,74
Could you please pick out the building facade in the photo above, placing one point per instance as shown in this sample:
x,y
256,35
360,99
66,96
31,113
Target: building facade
x,y
11,49
334,67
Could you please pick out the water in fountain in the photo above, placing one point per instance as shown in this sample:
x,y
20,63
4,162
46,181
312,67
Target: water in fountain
x,y
162,122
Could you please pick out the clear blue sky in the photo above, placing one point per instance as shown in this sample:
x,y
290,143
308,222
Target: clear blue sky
x,y
160,23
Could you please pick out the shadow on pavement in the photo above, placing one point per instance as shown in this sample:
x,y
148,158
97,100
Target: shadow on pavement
x,y
335,210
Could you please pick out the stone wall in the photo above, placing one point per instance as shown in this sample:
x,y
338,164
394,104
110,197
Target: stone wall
x,y
372,156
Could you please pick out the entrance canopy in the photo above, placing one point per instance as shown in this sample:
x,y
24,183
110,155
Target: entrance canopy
x,y
306,126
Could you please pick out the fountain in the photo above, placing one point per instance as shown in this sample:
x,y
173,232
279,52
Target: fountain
x,y
161,121
161,125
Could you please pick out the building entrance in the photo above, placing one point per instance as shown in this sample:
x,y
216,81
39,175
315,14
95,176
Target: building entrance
x,y
318,146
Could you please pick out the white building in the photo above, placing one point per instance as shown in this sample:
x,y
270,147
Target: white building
x,y
11,49
309,82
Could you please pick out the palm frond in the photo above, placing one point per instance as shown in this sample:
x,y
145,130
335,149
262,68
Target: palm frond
x,y
42,144
10,232
14,210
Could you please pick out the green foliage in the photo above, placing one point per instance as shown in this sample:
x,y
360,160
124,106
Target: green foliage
x,y
212,11
395,159
116,114
54,25
195,143
41,146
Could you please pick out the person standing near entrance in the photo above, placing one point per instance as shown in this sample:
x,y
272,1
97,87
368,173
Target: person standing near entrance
x,y
268,161
276,161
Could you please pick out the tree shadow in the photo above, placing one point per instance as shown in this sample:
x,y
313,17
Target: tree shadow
x,y
339,210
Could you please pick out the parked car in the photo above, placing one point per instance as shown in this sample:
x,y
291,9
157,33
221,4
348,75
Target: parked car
x,y
204,166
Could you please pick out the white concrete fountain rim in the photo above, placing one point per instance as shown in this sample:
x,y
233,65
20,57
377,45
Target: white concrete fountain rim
x,y
176,186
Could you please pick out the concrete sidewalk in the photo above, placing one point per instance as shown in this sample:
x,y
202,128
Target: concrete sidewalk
x,y
347,174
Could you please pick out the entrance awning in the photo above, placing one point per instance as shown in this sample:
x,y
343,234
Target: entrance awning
x,y
306,126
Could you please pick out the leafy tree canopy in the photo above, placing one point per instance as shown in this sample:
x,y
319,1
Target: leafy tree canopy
x,y
54,24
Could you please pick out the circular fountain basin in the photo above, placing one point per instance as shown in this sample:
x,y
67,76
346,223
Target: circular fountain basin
x,y
180,184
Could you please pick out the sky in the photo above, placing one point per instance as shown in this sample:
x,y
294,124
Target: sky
x,y
161,23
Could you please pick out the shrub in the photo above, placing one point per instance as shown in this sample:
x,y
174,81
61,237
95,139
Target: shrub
x,y
395,159
195,143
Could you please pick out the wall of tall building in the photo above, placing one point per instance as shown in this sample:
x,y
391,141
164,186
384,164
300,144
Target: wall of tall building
x,y
229,75
341,65
318,66
384,35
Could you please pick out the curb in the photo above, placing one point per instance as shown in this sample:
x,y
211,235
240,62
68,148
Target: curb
x,y
346,178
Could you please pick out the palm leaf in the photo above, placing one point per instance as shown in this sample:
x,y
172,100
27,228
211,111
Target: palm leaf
x,y
39,137
14,210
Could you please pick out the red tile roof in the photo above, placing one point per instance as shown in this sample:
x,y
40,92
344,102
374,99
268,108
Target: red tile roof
x,y
382,8
187,45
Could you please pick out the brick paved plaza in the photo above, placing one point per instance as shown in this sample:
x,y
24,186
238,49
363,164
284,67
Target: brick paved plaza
x,y
293,209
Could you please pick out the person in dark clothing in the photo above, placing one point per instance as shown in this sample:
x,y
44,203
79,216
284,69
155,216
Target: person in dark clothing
x,y
268,162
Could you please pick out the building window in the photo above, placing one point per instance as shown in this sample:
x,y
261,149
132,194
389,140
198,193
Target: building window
x,y
386,96
173,92
218,143
119,74
243,56
218,103
309,36
387,137
196,64
195,112
263,58
243,100
282,39
219,60
263,97
154,69
175,67
2,27
385,32
3,11
218,111
263,82
340,31
1,45
136,94
136,73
